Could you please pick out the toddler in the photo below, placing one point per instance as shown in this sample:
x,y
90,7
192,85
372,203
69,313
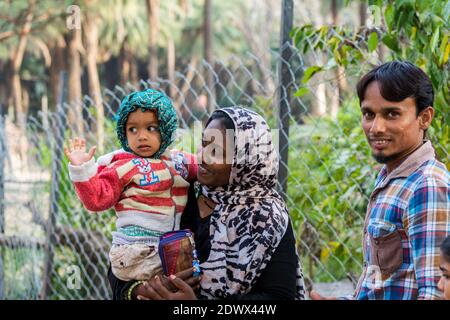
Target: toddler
x,y
444,282
145,182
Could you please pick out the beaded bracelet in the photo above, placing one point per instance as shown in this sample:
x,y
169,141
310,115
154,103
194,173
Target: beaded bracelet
x,y
130,290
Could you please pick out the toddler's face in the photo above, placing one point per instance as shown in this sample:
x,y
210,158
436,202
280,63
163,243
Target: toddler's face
x,y
143,133
444,282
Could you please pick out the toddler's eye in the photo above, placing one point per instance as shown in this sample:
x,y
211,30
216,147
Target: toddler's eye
x,y
153,129
132,130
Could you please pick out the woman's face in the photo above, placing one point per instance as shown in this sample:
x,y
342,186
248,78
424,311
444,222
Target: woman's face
x,y
216,155
444,282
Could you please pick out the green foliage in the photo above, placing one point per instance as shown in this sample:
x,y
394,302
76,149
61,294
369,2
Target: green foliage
x,y
417,31
330,179
332,172
21,272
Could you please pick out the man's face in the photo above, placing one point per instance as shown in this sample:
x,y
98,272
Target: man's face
x,y
444,282
143,133
393,129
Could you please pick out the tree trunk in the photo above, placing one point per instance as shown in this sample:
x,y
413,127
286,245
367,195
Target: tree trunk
x,y
334,99
134,70
124,64
91,41
25,100
336,92
319,104
259,45
16,62
186,83
57,65
4,88
265,66
362,13
208,54
153,24
334,12
74,76
171,65
16,87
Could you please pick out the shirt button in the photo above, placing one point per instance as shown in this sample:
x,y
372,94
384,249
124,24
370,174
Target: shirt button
x,y
377,242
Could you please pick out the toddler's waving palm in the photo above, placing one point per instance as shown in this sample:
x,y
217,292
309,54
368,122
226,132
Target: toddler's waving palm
x,y
76,152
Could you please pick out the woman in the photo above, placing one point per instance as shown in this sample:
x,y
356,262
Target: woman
x,y
243,233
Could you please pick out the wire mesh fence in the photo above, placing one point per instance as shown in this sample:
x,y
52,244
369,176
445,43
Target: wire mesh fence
x,y
53,248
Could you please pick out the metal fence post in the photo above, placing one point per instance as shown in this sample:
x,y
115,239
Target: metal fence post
x,y
284,79
57,153
2,199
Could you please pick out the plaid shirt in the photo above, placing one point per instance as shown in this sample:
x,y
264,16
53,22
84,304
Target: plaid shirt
x,y
407,219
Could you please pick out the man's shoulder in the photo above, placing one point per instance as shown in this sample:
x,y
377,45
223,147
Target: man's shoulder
x,y
433,170
431,175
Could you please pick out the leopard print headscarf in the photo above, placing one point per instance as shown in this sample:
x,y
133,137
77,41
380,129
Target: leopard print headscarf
x,y
250,217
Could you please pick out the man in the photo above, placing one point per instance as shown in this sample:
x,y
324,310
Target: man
x,y
408,215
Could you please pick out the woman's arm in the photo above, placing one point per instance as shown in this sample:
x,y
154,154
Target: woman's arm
x,y
121,289
277,281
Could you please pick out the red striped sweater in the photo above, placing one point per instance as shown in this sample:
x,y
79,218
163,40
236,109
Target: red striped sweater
x,y
147,193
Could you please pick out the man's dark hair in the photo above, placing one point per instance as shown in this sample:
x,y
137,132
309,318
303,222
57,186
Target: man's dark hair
x,y
397,81
445,248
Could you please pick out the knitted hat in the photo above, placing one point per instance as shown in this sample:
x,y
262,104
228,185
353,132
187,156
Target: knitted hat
x,y
149,99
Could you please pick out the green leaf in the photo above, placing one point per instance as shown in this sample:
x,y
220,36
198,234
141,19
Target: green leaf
x,y
391,42
446,12
413,33
373,41
301,92
434,39
389,16
310,72
445,51
297,35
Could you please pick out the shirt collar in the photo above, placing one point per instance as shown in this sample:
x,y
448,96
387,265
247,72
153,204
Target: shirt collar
x,y
423,154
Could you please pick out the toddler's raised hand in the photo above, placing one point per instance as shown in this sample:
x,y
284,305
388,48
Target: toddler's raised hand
x,y
77,152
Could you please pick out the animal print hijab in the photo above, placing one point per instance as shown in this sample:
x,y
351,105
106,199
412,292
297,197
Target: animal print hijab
x,y
250,218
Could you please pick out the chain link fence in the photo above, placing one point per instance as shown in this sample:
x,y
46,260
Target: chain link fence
x,y
52,248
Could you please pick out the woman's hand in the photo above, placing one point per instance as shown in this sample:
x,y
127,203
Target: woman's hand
x,y
157,291
77,152
146,291
314,295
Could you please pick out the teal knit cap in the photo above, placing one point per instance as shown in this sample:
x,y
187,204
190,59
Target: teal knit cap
x,y
149,99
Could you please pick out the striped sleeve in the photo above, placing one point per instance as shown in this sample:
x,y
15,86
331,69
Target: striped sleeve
x,y
192,166
98,188
428,224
